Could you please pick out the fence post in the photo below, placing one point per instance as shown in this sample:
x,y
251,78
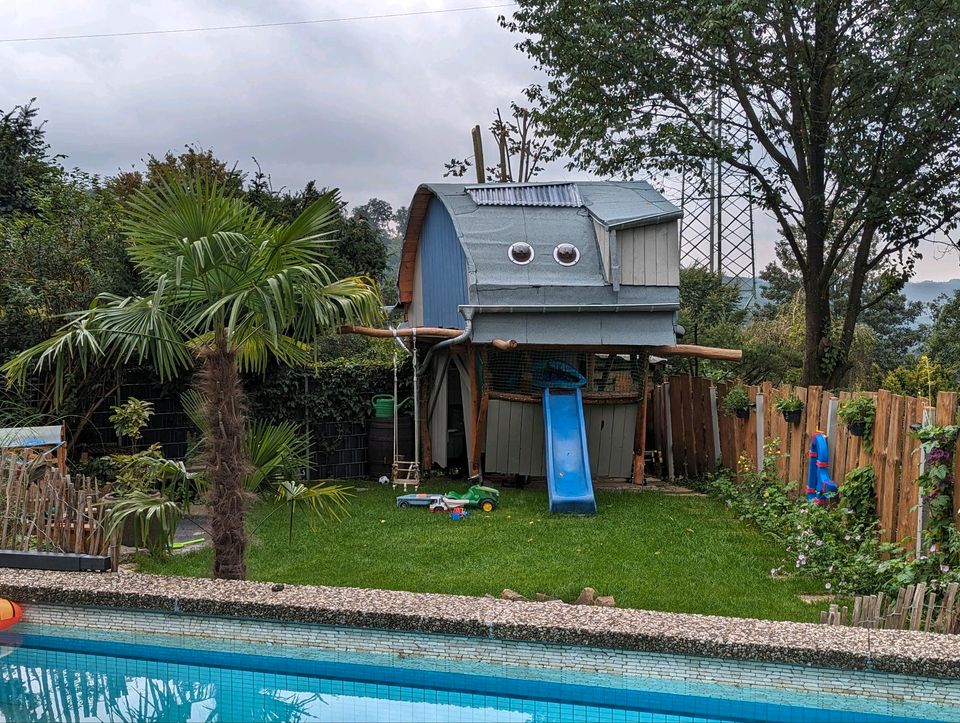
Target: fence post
x,y
715,426
831,431
760,431
668,428
923,509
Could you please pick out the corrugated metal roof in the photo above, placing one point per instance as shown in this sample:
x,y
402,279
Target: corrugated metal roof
x,y
526,194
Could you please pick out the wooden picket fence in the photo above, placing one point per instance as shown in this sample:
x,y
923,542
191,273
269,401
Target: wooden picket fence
x,y
45,510
913,608
697,438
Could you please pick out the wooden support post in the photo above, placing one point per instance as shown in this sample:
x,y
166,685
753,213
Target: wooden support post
x,y
478,154
640,431
474,410
481,418
426,452
668,430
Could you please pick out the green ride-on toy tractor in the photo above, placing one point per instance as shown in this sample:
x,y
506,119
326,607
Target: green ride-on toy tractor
x,y
483,498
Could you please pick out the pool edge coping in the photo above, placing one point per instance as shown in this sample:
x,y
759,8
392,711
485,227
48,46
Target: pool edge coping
x,y
807,644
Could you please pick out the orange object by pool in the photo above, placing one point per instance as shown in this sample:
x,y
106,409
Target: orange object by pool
x,y
10,613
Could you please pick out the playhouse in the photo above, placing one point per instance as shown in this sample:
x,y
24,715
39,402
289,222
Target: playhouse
x,y
535,309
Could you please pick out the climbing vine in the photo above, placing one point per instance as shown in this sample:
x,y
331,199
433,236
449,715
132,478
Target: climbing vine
x,y
938,445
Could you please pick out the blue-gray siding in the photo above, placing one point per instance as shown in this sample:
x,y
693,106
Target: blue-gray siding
x,y
443,264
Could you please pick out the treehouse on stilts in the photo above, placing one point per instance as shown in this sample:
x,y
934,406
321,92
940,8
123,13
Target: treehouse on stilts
x,y
537,308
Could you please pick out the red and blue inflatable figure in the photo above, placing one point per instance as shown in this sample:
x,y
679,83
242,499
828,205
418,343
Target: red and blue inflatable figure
x,y
820,488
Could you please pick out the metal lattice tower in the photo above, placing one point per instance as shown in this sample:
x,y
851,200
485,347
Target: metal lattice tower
x,y
717,227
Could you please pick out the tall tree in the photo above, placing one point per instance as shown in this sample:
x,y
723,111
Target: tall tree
x,y
943,343
228,290
893,319
851,106
24,159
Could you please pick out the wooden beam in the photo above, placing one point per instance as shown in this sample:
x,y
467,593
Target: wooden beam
x,y
699,352
483,408
478,154
424,331
588,397
474,411
640,431
426,449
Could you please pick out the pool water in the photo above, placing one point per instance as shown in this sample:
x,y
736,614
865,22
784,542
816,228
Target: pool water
x,y
52,678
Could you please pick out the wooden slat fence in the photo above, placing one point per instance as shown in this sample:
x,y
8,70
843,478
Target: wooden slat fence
x,y
913,608
894,454
44,510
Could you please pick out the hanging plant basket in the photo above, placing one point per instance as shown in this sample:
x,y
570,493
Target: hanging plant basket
x,y
742,412
792,415
858,428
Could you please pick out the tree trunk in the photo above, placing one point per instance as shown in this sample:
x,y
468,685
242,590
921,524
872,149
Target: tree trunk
x,y
816,342
225,458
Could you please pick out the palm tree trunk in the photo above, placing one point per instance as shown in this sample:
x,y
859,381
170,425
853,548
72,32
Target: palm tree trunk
x,y
224,458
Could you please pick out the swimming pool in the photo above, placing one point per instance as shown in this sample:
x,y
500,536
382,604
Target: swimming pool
x,y
46,676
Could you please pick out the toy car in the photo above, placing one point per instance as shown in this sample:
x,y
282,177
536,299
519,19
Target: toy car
x,y
420,499
483,498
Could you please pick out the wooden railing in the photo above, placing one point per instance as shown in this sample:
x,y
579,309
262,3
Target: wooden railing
x,y
697,438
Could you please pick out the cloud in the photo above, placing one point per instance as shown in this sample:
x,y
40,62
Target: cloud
x,y
374,106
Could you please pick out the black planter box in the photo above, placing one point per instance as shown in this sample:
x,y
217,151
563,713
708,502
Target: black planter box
x,y
792,415
857,429
60,561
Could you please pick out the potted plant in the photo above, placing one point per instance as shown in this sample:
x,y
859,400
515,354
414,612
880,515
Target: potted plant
x,y
858,414
790,407
737,402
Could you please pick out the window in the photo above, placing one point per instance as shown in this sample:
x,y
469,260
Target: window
x,y
566,254
521,253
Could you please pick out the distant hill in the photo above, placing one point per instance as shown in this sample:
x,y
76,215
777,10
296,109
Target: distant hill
x,y
925,291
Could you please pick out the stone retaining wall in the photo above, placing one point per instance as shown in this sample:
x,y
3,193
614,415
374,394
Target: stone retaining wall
x,y
902,652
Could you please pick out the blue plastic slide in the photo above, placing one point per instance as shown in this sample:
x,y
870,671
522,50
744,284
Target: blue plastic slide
x,y
820,488
569,484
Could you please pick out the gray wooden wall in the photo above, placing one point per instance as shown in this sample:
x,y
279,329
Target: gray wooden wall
x,y
515,439
650,255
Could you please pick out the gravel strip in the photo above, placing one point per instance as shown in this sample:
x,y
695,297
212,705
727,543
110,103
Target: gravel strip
x,y
911,653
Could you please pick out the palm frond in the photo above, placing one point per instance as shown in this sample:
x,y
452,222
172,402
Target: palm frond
x,y
166,219
323,500
113,331
277,451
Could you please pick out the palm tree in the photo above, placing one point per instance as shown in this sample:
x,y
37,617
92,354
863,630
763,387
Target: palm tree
x,y
226,290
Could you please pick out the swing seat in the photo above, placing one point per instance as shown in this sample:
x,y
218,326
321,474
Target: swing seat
x,y
406,474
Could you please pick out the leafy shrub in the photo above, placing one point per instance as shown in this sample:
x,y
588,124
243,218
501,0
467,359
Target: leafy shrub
x,y
129,418
922,379
860,408
788,404
840,542
736,400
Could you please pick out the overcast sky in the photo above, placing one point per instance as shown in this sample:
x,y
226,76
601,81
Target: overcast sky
x,y
372,106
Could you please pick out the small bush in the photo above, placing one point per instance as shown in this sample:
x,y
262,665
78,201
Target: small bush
x,y
792,403
839,542
736,400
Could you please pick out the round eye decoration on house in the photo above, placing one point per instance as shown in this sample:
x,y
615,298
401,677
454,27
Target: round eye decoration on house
x,y
521,253
566,254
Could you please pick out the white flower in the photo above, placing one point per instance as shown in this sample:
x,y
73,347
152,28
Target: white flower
x,y
944,569
828,586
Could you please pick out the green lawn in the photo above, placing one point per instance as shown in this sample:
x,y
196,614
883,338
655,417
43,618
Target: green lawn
x,y
683,554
